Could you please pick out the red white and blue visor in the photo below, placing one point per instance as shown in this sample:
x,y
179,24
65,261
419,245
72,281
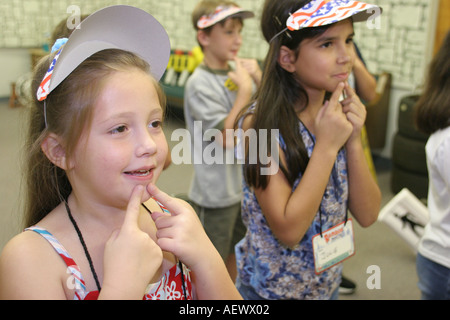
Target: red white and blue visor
x,y
115,27
324,12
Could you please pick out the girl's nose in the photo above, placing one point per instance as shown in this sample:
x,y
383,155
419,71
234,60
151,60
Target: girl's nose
x,y
146,145
344,58
345,54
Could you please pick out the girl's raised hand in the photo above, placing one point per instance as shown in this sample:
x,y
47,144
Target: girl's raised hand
x,y
331,124
180,232
355,111
131,257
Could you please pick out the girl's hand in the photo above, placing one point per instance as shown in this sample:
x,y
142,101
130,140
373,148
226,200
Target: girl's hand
x,y
355,111
332,126
180,232
131,257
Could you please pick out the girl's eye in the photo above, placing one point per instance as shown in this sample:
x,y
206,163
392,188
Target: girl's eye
x,y
326,44
119,129
155,124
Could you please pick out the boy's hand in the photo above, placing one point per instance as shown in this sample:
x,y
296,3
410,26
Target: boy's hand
x,y
252,67
241,77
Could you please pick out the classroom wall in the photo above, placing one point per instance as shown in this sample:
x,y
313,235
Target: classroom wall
x,y
400,42
26,24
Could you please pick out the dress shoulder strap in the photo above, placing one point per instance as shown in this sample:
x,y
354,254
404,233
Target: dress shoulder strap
x,y
54,243
72,267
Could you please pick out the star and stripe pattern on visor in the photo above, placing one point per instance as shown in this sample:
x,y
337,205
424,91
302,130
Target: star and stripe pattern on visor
x,y
77,280
324,12
44,88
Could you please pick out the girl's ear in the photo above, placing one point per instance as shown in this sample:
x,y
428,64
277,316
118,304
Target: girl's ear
x,y
286,59
55,151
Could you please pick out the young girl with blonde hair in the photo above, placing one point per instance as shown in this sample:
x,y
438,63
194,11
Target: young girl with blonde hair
x,y
96,150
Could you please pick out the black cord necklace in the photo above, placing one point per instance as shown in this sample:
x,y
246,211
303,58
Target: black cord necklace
x,y
338,191
86,252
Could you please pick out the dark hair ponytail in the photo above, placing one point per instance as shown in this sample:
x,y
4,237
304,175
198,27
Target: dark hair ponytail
x,y
432,111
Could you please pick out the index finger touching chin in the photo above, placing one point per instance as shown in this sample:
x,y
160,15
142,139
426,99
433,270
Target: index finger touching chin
x,y
163,198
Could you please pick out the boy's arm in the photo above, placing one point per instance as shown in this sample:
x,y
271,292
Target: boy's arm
x,y
252,66
241,77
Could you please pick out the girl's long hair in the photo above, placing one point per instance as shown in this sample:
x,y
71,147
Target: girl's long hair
x,y
432,111
69,110
280,92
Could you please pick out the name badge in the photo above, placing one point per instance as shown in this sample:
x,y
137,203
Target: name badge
x,y
336,245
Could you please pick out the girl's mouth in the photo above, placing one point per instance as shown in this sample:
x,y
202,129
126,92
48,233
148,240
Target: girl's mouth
x,y
341,76
138,173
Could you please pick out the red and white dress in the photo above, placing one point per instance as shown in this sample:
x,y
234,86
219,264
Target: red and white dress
x,y
170,287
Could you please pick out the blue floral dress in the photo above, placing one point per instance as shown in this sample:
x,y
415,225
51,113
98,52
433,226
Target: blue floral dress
x,y
275,271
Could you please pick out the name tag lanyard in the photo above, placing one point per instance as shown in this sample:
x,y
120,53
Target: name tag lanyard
x,y
337,191
337,243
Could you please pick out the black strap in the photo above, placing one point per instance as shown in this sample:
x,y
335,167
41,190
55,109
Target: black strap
x,y
334,168
86,251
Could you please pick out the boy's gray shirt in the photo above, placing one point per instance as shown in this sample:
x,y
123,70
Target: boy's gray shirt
x,y
207,102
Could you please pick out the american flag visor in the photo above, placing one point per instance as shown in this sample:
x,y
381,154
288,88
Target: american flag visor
x,y
324,12
44,87
109,28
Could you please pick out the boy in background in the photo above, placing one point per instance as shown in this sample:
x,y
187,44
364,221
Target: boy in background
x,y
214,95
